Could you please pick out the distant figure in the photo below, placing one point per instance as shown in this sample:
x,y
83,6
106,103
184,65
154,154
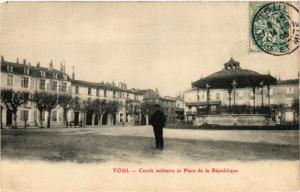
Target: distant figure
x,y
158,121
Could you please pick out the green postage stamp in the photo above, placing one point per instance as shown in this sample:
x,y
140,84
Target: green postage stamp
x,y
273,27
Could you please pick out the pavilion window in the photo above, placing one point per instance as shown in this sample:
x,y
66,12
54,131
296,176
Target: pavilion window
x,y
105,93
97,92
89,91
271,91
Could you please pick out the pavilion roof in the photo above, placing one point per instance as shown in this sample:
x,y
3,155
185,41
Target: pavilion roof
x,y
233,75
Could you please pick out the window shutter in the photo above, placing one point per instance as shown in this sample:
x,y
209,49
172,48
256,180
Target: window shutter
x,y
31,83
22,82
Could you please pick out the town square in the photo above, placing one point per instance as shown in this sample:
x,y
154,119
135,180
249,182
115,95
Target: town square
x,y
149,96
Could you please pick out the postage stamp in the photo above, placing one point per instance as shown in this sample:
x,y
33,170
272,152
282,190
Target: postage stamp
x,y
273,28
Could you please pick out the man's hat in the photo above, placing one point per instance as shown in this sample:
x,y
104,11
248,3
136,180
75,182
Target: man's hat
x,y
156,105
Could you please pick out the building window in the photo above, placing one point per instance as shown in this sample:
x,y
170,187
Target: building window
x,y
76,90
10,69
121,117
31,83
43,74
10,80
290,90
55,75
104,92
63,87
54,115
24,82
24,115
97,92
127,95
217,96
42,84
289,102
114,94
53,85
89,91
26,71
271,91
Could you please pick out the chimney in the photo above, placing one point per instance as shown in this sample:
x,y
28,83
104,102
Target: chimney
x,y
29,64
24,61
73,74
38,64
17,60
2,58
61,67
64,68
51,65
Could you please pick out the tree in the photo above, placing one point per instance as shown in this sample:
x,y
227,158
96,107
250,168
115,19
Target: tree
x,y
147,109
51,104
67,102
12,100
99,107
112,109
85,106
45,102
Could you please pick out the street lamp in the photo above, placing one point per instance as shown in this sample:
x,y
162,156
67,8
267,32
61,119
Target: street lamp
x,y
207,88
262,93
234,85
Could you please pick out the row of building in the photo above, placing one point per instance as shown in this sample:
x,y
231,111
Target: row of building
x,y
280,99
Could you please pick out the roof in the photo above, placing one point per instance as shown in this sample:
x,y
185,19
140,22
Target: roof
x,y
34,71
160,98
288,82
232,73
102,85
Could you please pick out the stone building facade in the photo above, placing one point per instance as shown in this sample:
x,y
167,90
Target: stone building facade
x,y
26,77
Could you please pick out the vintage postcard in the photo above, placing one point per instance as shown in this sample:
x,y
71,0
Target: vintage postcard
x,y
149,96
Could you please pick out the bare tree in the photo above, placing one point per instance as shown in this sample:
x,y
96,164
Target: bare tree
x,y
67,102
100,107
45,102
12,100
112,109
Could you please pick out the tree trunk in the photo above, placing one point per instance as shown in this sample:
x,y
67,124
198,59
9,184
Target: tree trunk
x,y
84,119
147,119
48,118
93,119
14,117
65,118
1,117
101,118
41,119
35,121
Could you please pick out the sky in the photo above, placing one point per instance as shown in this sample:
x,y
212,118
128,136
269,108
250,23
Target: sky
x,y
146,45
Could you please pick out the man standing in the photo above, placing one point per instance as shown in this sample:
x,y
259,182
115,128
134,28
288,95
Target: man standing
x,y
158,121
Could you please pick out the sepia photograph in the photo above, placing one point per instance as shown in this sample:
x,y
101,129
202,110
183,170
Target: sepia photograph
x,y
149,96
